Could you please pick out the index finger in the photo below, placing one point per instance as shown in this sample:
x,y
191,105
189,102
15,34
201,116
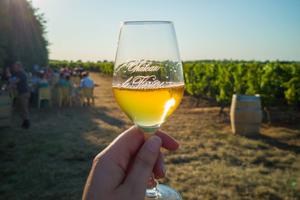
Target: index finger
x,y
168,142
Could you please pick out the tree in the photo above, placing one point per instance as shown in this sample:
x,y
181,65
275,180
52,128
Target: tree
x,y
4,31
22,34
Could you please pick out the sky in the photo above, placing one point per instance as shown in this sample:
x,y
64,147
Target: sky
x,y
206,29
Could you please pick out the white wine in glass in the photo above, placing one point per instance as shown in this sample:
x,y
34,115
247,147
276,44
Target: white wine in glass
x,y
149,107
148,80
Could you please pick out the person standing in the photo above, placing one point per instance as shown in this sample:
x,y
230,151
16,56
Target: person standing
x,y
23,93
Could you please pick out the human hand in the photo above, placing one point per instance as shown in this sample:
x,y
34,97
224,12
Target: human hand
x,y
122,170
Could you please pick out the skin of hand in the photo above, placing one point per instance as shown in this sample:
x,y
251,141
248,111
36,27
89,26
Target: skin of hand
x,y
122,170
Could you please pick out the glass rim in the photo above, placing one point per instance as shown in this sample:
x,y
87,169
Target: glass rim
x,y
142,22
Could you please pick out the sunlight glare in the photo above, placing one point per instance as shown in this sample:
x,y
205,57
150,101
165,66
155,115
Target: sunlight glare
x,y
167,106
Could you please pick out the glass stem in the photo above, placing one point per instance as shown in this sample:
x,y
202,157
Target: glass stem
x,y
152,191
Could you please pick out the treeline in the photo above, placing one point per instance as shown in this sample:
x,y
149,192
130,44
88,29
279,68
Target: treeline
x,y
22,34
277,82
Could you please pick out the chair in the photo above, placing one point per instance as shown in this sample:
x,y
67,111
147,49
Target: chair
x,y
76,80
87,94
64,95
54,80
44,94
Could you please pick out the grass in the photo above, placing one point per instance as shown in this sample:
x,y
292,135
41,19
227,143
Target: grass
x,y
52,159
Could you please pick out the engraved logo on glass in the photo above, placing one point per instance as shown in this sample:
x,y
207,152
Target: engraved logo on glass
x,y
139,80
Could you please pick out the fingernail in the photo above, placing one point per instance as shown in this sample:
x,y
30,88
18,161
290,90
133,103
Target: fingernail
x,y
154,144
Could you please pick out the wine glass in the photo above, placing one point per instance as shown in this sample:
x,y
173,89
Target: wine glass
x,y
148,80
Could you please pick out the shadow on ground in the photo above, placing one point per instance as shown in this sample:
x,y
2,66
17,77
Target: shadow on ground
x,y
103,115
52,159
275,142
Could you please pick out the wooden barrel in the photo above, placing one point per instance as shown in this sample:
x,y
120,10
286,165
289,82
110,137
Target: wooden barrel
x,y
245,114
5,110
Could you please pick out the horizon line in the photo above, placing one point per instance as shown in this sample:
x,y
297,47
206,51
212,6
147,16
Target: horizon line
x,y
189,60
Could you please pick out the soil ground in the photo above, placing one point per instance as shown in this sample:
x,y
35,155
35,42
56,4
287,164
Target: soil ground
x,y
52,159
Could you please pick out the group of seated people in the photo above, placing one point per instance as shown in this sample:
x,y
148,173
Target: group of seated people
x,y
73,79
63,77
26,87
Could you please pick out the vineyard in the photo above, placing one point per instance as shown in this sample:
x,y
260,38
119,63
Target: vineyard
x,y
277,82
104,67
53,158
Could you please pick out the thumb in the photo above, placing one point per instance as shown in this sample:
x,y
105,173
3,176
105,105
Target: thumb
x,y
142,166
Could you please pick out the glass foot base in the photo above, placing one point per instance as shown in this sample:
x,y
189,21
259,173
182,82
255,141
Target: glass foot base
x,y
162,192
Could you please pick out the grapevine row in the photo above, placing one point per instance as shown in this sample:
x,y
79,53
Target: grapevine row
x,y
277,82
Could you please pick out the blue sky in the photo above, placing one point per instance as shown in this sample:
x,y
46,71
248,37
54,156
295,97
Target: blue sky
x,y
206,29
